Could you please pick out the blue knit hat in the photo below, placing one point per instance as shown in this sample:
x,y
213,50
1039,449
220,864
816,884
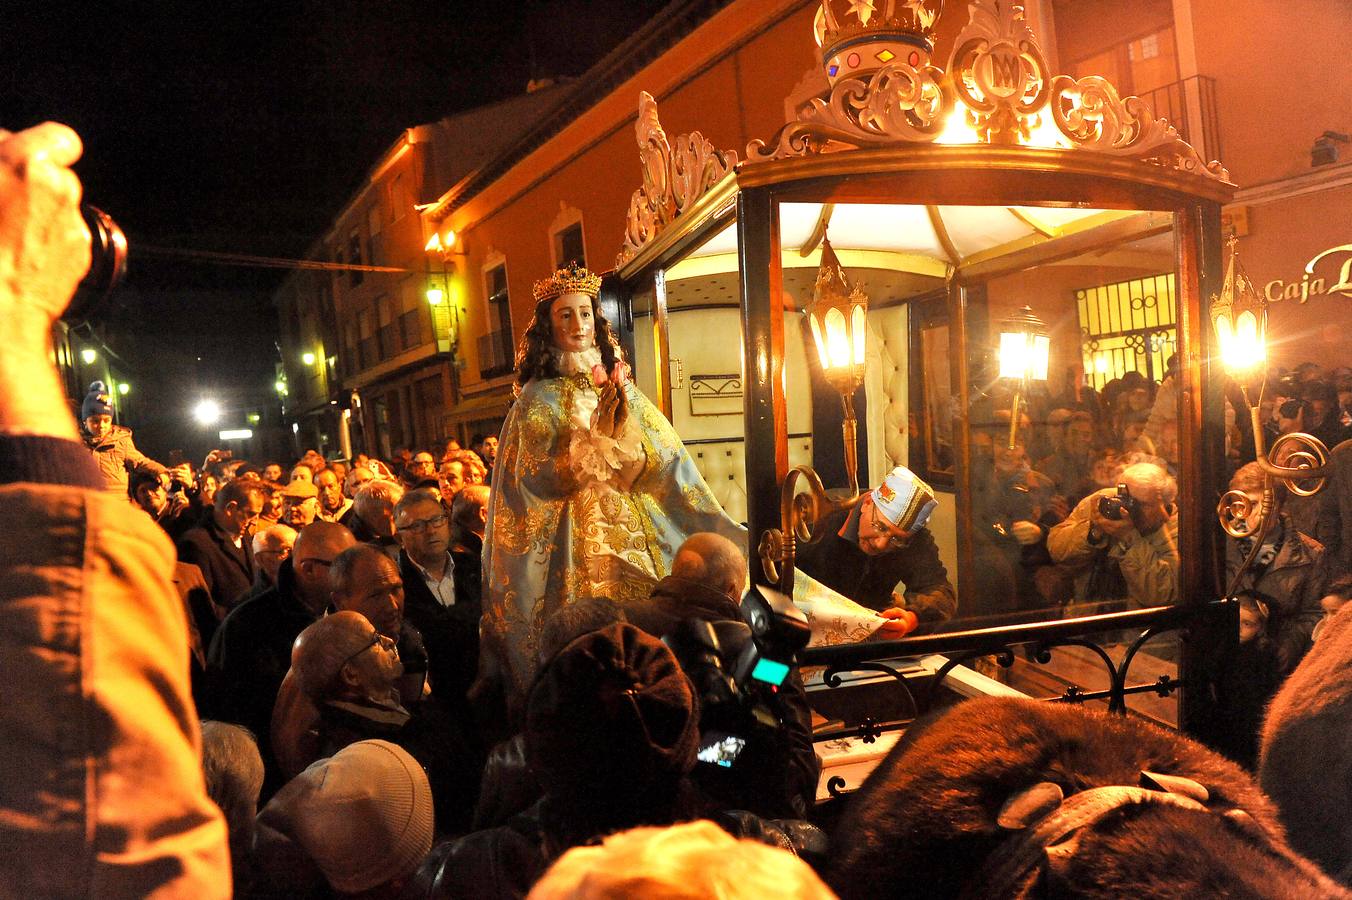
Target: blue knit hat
x,y
98,402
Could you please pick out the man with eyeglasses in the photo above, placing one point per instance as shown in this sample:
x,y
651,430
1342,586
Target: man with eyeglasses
x,y
878,543
350,670
218,546
440,597
251,651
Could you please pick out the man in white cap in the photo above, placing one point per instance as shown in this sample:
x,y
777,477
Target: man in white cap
x,y
880,542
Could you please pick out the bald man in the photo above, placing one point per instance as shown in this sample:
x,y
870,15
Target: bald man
x,y
251,651
707,580
349,671
363,579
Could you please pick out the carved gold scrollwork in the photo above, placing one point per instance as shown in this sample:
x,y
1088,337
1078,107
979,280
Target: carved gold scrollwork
x,y
897,102
675,175
999,72
1090,112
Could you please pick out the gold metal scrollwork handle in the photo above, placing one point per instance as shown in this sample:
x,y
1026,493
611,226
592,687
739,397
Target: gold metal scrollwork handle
x,y
1236,514
771,552
1305,462
797,513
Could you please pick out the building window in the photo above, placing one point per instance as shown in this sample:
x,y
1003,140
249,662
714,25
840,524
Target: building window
x,y
495,347
354,253
1126,327
366,336
385,331
373,242
398,198
568,246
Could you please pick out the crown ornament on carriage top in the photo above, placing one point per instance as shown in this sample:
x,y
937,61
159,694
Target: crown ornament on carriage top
x,y
571,279
858,36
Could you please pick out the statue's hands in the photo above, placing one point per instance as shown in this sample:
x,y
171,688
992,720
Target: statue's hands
x,y
621,410
606,410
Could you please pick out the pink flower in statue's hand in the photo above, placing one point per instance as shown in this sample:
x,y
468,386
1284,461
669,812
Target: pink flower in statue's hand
x,y
598,374
620,373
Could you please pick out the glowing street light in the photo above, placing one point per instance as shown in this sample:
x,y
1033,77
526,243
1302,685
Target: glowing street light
x,y
435,296
308,358
1025,348
207,412
88,354
123,388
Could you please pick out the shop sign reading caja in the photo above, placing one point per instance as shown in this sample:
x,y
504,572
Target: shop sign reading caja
x,y
1333,265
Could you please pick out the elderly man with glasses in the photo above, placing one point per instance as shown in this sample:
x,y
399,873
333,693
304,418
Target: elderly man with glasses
x,y
350,670
440,597
251,651
879,543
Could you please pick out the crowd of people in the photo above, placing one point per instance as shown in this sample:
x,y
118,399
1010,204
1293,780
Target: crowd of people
x,y
270,678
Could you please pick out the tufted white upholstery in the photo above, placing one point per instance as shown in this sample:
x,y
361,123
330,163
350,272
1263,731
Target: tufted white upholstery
x,y
723,465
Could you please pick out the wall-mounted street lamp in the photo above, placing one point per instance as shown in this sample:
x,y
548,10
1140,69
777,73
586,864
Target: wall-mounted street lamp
x,y
1025,349
1239,315
88,355
308,358
123,388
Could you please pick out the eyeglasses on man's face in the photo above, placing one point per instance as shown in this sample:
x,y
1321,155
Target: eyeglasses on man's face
x,y
376,638
421,525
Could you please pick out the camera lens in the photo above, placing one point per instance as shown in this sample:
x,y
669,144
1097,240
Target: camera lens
x,y
107,263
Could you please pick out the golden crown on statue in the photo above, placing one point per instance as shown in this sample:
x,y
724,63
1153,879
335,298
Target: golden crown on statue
x,y
859,36
571,279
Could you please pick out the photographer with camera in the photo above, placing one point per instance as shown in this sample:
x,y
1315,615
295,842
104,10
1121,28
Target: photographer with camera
x,y
1122,543
101,786
696,610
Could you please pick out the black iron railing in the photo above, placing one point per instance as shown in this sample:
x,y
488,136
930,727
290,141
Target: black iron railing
x,y
1190,106
1037,640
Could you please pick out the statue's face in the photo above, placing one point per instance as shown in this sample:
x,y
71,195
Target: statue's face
x,y
572,323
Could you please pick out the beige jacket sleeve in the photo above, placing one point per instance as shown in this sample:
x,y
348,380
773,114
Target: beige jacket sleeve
x,y
101,787
1149,565
1068,541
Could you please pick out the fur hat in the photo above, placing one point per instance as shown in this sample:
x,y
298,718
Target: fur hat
x,y
98,402
612,711
904,500
364,815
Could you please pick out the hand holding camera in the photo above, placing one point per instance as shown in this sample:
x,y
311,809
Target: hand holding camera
x,y
1112,514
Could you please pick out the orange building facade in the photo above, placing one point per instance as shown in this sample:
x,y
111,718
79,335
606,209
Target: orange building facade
x,y
1264,92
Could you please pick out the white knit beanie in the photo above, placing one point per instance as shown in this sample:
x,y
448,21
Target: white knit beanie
x,y
364,815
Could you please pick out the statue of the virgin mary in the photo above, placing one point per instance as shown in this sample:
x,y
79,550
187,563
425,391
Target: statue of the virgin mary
x,y
593,491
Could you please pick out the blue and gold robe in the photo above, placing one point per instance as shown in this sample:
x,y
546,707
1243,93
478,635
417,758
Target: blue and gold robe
x,y
556,535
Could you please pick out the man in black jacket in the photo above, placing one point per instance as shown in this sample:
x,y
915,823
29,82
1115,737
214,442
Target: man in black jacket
x,y
441,594
219,547
880,541
251,651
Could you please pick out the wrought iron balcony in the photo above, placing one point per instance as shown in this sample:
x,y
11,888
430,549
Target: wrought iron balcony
x,y
1190,106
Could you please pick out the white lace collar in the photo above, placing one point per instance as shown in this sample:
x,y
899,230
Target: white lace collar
x,y
576,361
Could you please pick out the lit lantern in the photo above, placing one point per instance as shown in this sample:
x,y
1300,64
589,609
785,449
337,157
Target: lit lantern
x,y
1025,349
1240,317
308,358
837,315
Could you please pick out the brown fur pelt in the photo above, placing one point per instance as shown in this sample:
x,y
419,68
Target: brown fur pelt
x,y
926,820
1307,750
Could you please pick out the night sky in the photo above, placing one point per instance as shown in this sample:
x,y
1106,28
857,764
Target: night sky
x,y
243,128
